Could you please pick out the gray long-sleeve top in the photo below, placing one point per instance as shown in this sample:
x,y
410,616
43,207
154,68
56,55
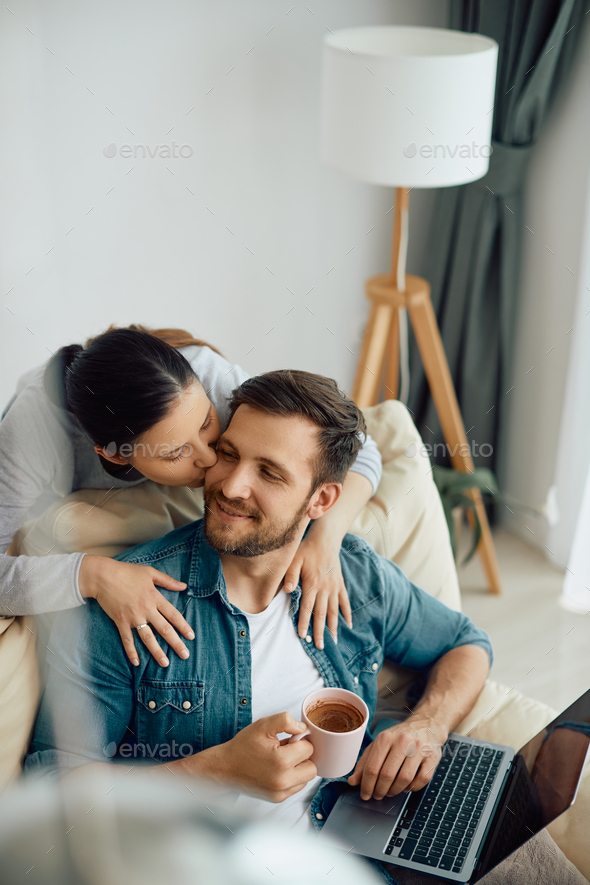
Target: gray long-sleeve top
x,y
45,454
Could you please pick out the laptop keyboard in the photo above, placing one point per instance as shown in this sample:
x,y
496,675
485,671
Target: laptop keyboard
x,y
438,823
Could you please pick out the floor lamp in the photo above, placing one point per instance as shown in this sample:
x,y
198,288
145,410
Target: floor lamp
x,y
409,107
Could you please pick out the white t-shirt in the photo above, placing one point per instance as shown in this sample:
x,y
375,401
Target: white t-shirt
x,y
283,674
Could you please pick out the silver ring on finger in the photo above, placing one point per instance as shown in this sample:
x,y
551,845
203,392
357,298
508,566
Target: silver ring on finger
x,y
141,626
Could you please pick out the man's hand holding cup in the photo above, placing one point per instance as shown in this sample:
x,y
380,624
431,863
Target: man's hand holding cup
x,y
257,762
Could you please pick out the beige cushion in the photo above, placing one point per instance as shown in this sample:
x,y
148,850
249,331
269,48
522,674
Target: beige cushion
x,y
404,521
19,693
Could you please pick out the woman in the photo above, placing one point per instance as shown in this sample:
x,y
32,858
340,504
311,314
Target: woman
x,y
132,405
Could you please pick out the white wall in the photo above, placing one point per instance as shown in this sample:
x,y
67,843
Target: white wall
x,y
548,440
86,240
248,243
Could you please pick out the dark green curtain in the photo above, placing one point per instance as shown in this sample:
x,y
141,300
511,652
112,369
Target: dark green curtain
x,y
475,235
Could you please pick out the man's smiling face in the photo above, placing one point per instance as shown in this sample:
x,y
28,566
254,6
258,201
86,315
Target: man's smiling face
x,y
258,493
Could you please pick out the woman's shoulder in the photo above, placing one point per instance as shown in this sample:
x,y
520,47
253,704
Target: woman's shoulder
x,y
31,375
207,361
32,416
30,389
200,353
218,376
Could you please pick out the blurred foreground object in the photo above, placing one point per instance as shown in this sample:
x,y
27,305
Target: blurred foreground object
x,y
114,829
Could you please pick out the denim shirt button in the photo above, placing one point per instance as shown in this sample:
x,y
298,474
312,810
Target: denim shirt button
x,y
244,701
242,632
186,705
356,680
319,816
308,638
151,704
374,667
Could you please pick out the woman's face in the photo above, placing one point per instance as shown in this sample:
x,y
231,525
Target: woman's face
x,y
177,450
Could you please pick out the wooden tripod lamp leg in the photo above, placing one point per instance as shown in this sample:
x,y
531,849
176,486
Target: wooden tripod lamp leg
x,y
365,390
380,347
439,378
380,356
399,248
392,372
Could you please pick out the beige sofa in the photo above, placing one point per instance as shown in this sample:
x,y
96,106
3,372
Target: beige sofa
x,y
404,521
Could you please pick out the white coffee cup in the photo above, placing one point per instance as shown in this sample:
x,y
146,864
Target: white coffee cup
x,y
334,753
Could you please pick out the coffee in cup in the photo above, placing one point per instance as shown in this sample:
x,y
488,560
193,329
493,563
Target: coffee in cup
x,y
335,715
336,721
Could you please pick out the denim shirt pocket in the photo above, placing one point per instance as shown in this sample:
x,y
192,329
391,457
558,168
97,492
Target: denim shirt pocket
x,y
170,718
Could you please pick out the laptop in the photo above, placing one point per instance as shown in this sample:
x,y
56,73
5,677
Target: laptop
x,y
483,802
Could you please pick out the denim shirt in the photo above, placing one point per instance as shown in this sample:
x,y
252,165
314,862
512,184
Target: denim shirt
x,y
98,706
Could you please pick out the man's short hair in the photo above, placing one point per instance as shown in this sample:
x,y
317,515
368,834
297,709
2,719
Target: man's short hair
x,y
317,398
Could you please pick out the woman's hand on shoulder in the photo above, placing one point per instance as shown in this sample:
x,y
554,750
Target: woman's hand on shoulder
x,y
317,565
126,591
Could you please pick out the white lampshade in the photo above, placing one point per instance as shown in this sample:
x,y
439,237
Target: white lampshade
x,y
408,107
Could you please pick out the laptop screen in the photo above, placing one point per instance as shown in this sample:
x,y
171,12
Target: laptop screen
x,y
541,785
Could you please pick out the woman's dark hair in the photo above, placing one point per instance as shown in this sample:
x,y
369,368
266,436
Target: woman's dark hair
x,y
340,422
121,382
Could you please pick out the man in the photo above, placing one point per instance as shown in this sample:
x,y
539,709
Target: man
x,y
281,462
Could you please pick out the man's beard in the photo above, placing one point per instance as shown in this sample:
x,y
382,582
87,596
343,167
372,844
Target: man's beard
x,y
258,540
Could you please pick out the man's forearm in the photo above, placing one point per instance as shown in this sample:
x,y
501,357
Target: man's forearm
x,y
208,763
454,685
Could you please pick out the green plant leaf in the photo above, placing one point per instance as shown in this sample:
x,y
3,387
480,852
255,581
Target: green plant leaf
x,y
452,487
